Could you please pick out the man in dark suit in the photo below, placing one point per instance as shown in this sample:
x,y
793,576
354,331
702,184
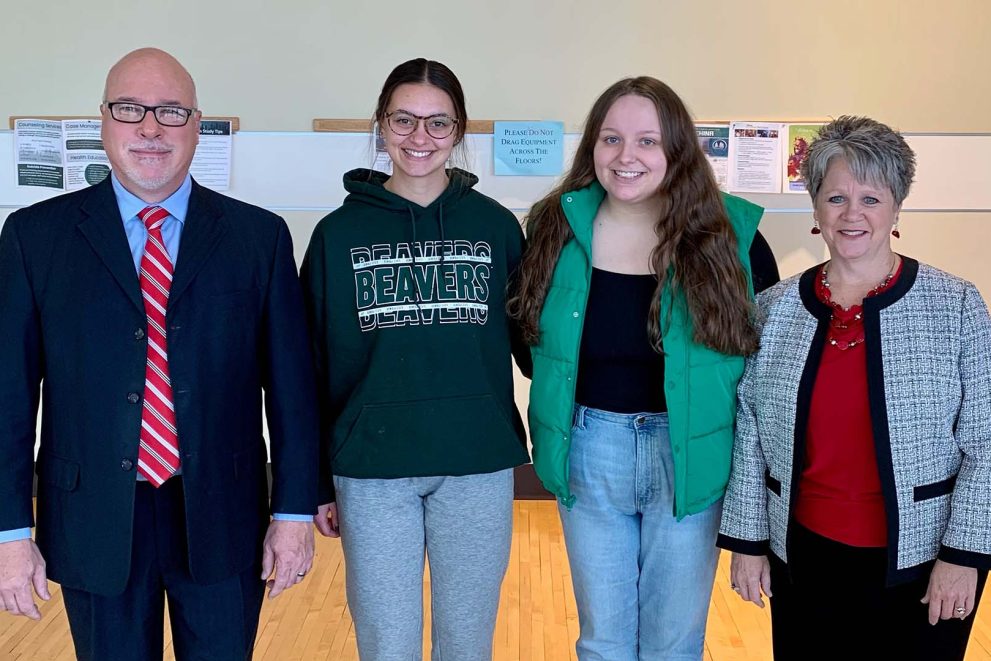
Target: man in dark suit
x,y
153,313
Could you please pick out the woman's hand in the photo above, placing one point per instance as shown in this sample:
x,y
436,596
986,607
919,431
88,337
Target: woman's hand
x,y
951,591
749,574
326,520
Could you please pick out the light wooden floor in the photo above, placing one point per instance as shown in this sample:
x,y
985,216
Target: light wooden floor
x,y
537,618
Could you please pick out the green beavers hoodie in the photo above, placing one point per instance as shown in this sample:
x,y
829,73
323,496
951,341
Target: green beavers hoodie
x,y
413,345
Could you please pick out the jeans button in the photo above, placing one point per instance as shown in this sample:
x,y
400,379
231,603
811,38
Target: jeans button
x,y
641,420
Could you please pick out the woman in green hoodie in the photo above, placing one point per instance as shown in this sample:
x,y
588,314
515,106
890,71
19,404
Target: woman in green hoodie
x,y
405,286
635,294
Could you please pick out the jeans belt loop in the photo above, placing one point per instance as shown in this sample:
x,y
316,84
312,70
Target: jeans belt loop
x,y
580,417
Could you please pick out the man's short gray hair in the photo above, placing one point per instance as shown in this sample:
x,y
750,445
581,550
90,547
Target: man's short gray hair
x,y
875,153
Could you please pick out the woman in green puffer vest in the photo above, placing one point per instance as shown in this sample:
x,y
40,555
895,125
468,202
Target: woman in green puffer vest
x,y
635,294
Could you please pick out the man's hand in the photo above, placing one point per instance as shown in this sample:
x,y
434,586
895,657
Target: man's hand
x,y
21,567
326,520
287,554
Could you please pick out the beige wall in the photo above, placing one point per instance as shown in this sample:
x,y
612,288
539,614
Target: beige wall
x,y
916,64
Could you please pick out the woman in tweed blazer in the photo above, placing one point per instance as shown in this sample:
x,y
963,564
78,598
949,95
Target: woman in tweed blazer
x,y
860,492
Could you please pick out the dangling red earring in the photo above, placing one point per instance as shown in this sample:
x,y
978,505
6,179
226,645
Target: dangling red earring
x,y
895,233
815,227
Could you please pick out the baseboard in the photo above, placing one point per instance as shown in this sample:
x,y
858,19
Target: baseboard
x,y
528,486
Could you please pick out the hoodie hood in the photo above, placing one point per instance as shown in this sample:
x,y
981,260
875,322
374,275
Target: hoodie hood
x,y
367,187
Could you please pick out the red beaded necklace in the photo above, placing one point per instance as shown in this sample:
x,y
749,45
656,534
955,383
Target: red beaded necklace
x,y
846,325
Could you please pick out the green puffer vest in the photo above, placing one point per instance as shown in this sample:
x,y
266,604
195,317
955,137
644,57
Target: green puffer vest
x,y
700,383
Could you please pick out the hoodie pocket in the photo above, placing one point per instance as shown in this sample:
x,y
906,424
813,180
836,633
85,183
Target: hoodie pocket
x,y
442,436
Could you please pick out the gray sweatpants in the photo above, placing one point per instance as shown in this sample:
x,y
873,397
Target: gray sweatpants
x,y
465,527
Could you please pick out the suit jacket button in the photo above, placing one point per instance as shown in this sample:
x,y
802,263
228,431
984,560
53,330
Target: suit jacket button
x,y
133,397
126,464
139,334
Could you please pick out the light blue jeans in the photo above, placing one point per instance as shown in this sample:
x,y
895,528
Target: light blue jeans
x,y
642,579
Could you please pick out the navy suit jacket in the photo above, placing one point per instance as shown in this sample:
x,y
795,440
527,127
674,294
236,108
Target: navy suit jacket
x,y
72,321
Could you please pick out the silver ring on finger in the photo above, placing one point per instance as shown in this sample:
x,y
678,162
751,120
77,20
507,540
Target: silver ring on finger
x,y
960,610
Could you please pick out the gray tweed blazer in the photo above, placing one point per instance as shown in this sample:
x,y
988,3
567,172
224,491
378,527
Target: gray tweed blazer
x,y
928,345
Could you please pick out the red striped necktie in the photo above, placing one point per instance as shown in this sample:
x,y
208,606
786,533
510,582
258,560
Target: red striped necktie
x,y
158,453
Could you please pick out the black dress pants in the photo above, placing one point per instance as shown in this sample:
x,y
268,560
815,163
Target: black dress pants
x,y
831,602
214,622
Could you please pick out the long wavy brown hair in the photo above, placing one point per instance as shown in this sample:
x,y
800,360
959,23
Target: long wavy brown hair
x,y
696,249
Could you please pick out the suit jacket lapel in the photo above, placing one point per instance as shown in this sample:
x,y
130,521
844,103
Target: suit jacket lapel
x,y
205,225
104,230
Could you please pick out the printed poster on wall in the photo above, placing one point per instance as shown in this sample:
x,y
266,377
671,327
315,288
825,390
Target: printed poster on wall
x,y
68,154
211,164
59,154
714,140
755,157
800,136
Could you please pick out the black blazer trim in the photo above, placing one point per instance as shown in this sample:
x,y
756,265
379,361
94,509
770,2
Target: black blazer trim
x,y
772,484
875,394
821,311
806,289
964,558
743,546
934,490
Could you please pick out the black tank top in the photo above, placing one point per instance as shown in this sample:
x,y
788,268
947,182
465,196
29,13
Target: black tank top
x,y
618,370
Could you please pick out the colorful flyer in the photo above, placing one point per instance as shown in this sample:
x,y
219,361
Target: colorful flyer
x,y
800,136
714,140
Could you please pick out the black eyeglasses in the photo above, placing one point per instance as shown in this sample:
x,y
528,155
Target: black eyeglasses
x,y
404,123
129,112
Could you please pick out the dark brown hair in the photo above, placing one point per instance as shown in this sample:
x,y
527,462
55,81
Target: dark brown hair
x,y
421,70
696,244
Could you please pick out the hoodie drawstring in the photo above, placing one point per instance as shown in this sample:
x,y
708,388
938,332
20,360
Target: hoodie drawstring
x,y
440,224
416,287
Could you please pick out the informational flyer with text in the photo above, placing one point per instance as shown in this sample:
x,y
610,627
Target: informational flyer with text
x,y
714,140
755,157
68,154
62,154
528,148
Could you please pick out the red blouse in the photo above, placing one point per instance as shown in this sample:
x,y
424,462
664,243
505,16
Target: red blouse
x,y
839,494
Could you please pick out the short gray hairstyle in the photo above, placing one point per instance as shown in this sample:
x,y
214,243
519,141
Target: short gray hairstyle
x,y
875,153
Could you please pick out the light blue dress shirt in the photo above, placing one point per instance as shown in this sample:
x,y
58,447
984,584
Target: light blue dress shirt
x,y
130,205
137,234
